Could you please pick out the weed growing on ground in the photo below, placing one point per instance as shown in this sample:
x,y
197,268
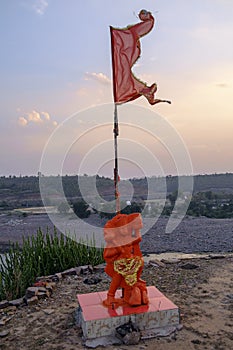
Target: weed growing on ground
x,y
42,255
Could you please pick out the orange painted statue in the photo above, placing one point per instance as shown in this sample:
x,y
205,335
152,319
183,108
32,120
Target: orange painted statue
x,y
124,262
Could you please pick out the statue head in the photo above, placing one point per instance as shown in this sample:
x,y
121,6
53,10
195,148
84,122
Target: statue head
x,y
144,15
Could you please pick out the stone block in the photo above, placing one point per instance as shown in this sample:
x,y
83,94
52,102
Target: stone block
x,y
57,277
69,272
16,302
99,321
31,291
4,304
32,301
4,333
84,270
99,268
41,295
156,263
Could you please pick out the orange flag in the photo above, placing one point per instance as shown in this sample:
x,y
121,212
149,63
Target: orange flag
x,y
125,52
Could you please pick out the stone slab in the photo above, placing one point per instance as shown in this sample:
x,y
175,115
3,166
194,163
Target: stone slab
x,y
100,321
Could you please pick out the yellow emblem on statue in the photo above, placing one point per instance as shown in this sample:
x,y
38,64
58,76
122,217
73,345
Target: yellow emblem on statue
x,y
128,268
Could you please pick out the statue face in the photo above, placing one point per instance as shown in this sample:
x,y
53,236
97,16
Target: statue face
x,y
144,15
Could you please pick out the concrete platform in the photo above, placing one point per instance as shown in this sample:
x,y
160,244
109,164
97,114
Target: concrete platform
x,y
97,320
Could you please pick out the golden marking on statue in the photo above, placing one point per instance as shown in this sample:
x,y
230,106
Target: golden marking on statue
x,y
128,268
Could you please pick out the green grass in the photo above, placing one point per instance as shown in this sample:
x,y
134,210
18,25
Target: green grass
x,y
42,255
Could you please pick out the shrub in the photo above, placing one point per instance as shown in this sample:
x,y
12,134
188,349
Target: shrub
x,y
80,208
42,255
63,208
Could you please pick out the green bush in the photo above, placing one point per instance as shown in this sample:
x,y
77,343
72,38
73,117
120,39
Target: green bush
x,y
63,208
42,255
108,210
80,208
134,207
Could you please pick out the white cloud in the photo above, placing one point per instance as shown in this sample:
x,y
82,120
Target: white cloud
x,y
100,77
22,121
35,117
45,115
40,6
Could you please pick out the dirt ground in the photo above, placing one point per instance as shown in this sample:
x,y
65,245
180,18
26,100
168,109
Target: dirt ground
x,y
202,291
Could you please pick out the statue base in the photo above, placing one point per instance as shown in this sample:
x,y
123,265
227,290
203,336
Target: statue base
x,y
159,318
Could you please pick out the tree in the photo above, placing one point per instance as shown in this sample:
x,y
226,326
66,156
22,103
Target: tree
x,y
63,208
134,207
209,195
80,208
173,197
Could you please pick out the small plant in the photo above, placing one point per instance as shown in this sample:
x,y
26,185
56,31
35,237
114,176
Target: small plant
x,y
41,255
179,280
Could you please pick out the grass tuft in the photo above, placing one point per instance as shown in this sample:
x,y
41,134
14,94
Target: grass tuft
x,y
42,255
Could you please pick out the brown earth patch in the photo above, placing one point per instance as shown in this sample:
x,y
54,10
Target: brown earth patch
x,y
203,294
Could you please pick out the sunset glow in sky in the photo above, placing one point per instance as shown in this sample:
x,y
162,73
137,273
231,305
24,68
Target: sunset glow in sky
x,y
56,60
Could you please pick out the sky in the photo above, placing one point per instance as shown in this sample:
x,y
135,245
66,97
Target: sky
x,y
55,62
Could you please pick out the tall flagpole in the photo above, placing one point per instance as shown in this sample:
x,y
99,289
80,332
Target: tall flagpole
x,y
116,132
116,172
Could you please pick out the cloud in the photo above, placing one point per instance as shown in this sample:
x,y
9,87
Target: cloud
x,y
100,77
222,85
46,115
22,121
40,6
35,117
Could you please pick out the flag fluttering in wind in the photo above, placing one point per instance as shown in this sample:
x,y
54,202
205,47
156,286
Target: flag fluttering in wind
x,y
126,87
125,52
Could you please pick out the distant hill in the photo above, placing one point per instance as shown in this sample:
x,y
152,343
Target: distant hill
x,y
25,191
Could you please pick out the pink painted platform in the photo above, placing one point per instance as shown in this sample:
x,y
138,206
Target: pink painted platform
x,y
99,321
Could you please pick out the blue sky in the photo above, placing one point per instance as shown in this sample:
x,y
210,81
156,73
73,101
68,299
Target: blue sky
x,y
55,60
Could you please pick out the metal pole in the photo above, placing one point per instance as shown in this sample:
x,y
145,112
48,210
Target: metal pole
x,y
116,173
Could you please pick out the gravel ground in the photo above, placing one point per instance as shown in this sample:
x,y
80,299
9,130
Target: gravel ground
x,y
193,235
